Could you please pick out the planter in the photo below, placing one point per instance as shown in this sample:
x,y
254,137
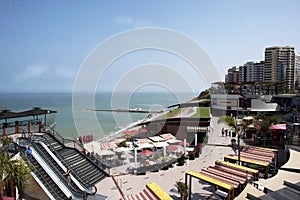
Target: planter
x,y
197,154
180,161
192,156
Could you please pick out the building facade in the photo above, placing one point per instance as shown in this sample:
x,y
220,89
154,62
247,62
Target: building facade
x,y
232,76
297,72
279,67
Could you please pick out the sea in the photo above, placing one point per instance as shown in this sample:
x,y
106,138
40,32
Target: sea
x,y
105,123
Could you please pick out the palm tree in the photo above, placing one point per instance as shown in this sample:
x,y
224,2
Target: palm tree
x,y
15,172
238,128
182,189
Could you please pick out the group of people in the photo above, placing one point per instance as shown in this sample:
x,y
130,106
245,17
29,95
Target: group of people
x,y
224,131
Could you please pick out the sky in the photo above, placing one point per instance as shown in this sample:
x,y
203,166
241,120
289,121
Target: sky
x,y
45,43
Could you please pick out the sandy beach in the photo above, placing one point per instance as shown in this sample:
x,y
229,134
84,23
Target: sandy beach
x,y
166,179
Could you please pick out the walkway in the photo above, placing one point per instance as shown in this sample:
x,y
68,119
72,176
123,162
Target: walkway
x,y
133,184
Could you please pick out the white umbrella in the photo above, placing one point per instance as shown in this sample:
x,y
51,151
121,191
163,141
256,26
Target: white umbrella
x,y
106,153
123,149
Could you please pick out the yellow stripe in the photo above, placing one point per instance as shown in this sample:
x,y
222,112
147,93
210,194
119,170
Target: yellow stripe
x,y
248,161
268,149
210,180
162,195
255,171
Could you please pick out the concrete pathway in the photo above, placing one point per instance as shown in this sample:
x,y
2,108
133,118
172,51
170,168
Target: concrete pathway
x,y
133,184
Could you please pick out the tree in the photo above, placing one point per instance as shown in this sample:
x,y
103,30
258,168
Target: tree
x,y
14,172
238,128
264,122
182,189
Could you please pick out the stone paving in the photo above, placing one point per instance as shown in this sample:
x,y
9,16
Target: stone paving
x,y
166,179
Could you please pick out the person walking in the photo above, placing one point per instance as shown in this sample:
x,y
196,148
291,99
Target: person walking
x,y
28,152
223,132
67,174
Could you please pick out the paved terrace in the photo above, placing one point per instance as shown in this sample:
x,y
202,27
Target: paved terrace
x,y
166,179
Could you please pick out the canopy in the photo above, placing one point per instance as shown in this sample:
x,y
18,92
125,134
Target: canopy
x,y
156,139
278,127
7,114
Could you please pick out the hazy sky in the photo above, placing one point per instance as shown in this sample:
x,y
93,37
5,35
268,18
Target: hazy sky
x,y
44,43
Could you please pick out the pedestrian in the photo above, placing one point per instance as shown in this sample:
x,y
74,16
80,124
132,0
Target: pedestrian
x,y
222,131
28,152
67,174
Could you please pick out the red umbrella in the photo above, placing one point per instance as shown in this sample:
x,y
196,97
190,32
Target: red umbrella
x,y
143,130
146,153
182,144
172,148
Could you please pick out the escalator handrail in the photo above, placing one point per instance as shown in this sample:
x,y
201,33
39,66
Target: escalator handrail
x,y
45,182
66,163
87,158
73,178
79,193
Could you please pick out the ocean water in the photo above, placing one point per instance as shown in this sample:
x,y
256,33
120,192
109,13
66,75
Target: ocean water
x,y
109,122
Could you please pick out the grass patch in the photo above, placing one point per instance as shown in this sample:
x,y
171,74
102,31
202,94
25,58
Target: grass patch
x,y
202,112
170,114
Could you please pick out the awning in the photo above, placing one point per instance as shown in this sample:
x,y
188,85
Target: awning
x,y
278,127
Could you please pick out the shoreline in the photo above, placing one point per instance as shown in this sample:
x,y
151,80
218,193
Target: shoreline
x,y
90,145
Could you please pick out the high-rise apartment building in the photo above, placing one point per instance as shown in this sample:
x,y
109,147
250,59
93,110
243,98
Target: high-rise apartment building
x,y
279,66
297,72
232,76
259,71
246,73
251,72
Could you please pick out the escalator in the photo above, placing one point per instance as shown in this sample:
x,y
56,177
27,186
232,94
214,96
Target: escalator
x,y
58,170
47,181
48,173
85,169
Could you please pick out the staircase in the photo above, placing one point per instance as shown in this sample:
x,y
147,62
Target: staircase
x,y
84,168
